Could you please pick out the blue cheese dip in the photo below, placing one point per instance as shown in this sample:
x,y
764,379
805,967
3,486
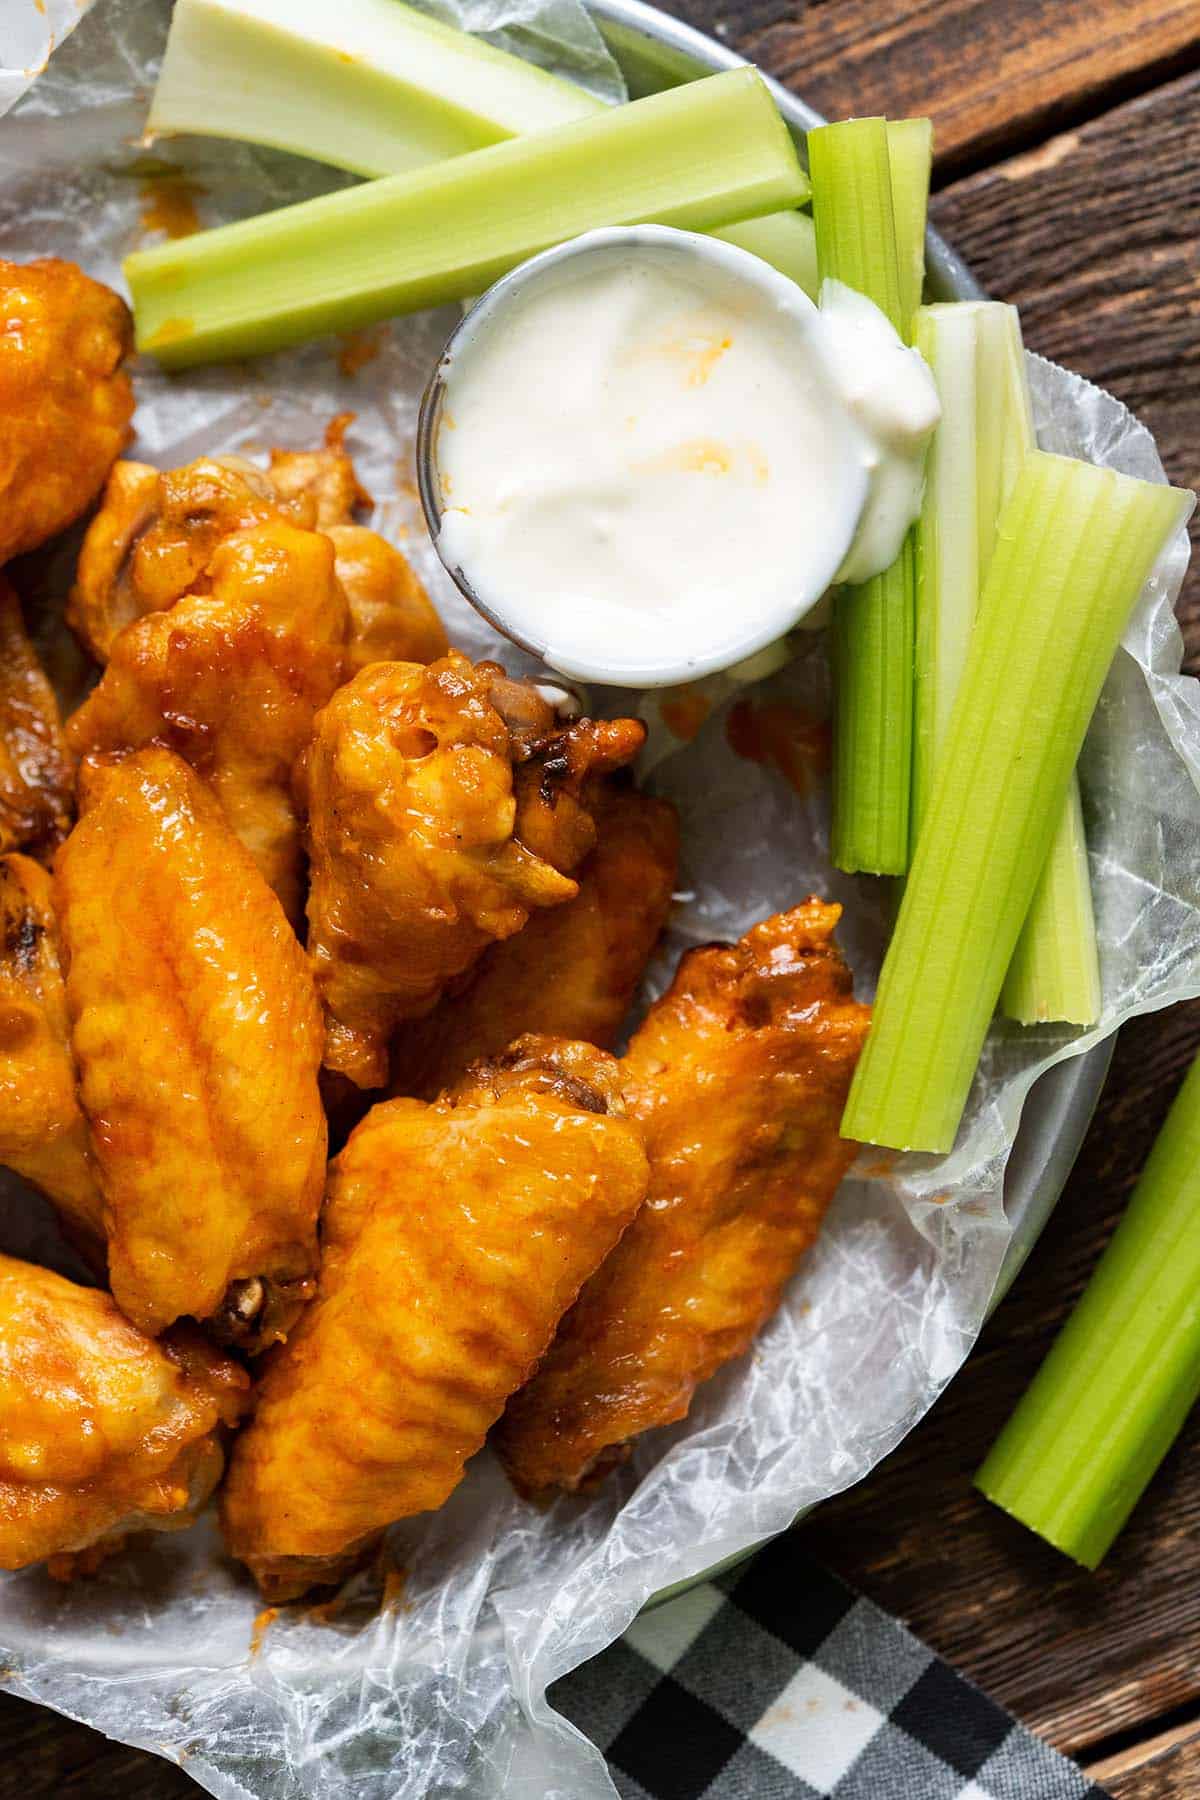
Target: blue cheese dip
x,y
652,454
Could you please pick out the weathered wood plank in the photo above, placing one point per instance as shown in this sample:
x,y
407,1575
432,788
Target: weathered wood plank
x,y
50,1758
1096,237
1161,1770
992,74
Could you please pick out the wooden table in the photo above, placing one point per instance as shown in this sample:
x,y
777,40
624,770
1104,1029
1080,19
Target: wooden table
x,y
1068,174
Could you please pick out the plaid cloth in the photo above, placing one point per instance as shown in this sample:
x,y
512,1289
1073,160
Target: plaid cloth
x,y
775,1681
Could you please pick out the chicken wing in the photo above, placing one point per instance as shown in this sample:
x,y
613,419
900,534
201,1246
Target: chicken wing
x,y
392,618
65,400
197,1036
43,1133
572,971
738,1078
232,679
418,842
105,1432
36,775
454,1237
154,537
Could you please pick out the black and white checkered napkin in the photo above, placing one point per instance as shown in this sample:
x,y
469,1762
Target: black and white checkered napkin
x,y
775,1681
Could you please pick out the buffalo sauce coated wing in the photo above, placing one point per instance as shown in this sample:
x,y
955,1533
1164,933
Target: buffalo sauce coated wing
x,y
43,1133
418,845
232,679
197,1037
36,775
155,535
105,1431
738,1078
454,1237
65,401
573,970
392,618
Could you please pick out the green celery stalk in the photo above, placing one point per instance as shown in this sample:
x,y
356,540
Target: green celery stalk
x,y
1124,1371
1074,547
709,153
948,533
910,154
854,211
872,646
1055,970
378,88
368,85
867,216
975,352
786,240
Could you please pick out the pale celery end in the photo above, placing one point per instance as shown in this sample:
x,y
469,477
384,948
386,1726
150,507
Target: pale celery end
x,y
1074,547
373,86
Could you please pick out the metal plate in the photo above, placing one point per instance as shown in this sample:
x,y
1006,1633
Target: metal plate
x,y
656,51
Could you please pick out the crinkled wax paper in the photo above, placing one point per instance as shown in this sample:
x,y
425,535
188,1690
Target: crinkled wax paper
x,y
445,1692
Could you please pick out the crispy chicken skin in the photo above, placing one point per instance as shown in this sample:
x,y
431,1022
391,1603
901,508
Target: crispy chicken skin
x,y
325,477
65,400
153,538
738,1078
155,535
197,1037
573,970
36,774
392,618
43,1133
454,1237
425,843
105,1431
231,679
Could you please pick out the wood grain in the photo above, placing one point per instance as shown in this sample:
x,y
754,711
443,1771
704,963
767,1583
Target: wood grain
x,y
1156,1765
49,1758
1096,237
992,74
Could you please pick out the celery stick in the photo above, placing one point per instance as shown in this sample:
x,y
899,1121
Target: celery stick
x,y
1074,547
948,534
910,154
1111,1396
786,240
1055,970
854,213
872,761
975,352
709,153
368,85
378,88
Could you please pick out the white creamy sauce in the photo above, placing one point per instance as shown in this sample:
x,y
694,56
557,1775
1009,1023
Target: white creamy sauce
x,y
655,454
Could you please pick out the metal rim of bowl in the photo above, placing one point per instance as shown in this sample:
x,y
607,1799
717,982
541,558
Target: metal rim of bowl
x,y
656,51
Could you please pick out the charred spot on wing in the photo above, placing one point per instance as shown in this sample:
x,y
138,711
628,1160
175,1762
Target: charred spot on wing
x,y
23,933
